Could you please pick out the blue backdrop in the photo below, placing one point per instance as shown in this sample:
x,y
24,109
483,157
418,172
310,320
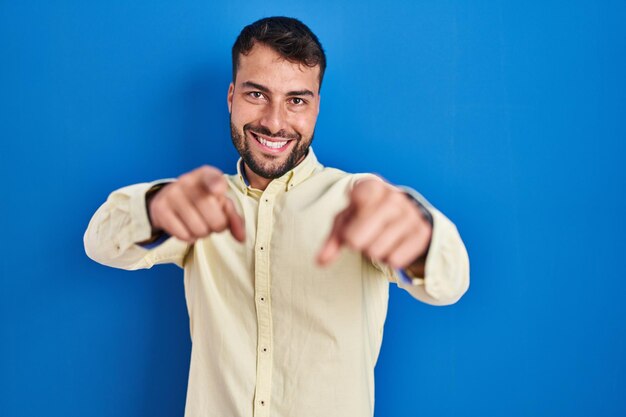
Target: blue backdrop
x,y
508,116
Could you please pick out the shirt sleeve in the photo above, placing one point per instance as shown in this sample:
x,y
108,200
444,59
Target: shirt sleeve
x,y
446,273
120,223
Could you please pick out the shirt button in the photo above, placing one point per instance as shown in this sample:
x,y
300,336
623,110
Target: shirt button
x,y
262,298
264,349
262,402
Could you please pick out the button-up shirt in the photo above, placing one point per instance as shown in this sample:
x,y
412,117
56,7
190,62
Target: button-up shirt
x,y
273,333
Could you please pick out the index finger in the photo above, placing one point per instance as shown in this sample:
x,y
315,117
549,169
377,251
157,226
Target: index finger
x,y
330,249
235,221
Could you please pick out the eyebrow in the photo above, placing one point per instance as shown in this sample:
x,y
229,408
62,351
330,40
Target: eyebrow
x,y
264,89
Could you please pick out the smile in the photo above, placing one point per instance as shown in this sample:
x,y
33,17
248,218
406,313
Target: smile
x,y
271,146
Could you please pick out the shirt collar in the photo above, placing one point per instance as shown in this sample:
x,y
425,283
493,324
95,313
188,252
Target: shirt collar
x,y
290,179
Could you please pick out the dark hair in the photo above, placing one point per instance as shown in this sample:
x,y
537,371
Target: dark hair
x,y
289,37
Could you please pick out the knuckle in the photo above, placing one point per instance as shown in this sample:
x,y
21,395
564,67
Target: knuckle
x,y
208,169
377,185
369,189
220,181
360,189
209,173
369,183
185,179
398,198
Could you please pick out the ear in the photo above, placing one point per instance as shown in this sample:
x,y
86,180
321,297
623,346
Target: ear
x,y
229,98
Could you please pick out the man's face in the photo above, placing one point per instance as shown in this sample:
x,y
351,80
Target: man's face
x,y
273,107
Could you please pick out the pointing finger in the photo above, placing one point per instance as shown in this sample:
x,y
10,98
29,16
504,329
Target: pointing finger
x,y
330,249
236,223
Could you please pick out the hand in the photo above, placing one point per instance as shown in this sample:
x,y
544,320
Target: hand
x,y
195,206
381,222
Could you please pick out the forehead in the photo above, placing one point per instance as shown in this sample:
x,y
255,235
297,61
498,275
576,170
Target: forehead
x,y
265,66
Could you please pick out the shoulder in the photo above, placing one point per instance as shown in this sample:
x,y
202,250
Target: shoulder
x,y
350,178
329,180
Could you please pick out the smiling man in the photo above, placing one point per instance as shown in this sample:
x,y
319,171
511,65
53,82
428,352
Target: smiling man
x,y
273,105
287,263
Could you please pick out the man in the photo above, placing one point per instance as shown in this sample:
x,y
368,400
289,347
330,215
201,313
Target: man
x,y
287,264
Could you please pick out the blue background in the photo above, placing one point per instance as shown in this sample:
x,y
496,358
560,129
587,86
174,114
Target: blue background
x,y
508,116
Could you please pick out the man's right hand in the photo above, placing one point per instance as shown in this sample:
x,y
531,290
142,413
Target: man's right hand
x,y
195,206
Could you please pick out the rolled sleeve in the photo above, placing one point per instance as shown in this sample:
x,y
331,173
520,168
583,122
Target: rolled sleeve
x,y
115,229
446,273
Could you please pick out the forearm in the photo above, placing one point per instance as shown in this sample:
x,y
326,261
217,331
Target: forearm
x,y
119,225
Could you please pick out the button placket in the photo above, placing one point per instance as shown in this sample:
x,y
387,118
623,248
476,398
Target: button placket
x,y
263,301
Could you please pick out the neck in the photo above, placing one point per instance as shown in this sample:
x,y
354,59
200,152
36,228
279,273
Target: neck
x,y
256,181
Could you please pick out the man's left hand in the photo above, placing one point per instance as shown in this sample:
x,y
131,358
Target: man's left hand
x,y
382,223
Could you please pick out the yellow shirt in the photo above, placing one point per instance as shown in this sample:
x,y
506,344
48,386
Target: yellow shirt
x,y
272,333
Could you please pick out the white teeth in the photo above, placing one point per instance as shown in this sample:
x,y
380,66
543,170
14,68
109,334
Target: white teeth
x,y
273,145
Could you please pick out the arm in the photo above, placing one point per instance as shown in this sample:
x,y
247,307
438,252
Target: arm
x,y
118,227
125,231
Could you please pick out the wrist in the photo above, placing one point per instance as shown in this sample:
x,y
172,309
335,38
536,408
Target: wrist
x,y
156,231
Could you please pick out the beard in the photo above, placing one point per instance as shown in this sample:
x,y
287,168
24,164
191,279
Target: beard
x,y
270,167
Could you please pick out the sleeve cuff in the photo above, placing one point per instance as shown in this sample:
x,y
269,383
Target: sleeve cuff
x,y
151,245
141,229
409,280
446,274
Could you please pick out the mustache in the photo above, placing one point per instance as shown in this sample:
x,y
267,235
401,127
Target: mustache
x,y
262,130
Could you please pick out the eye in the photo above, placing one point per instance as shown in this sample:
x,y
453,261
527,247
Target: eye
x,y
298,101
255,94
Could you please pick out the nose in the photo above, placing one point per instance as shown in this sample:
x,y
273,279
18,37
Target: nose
x,y
275,117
